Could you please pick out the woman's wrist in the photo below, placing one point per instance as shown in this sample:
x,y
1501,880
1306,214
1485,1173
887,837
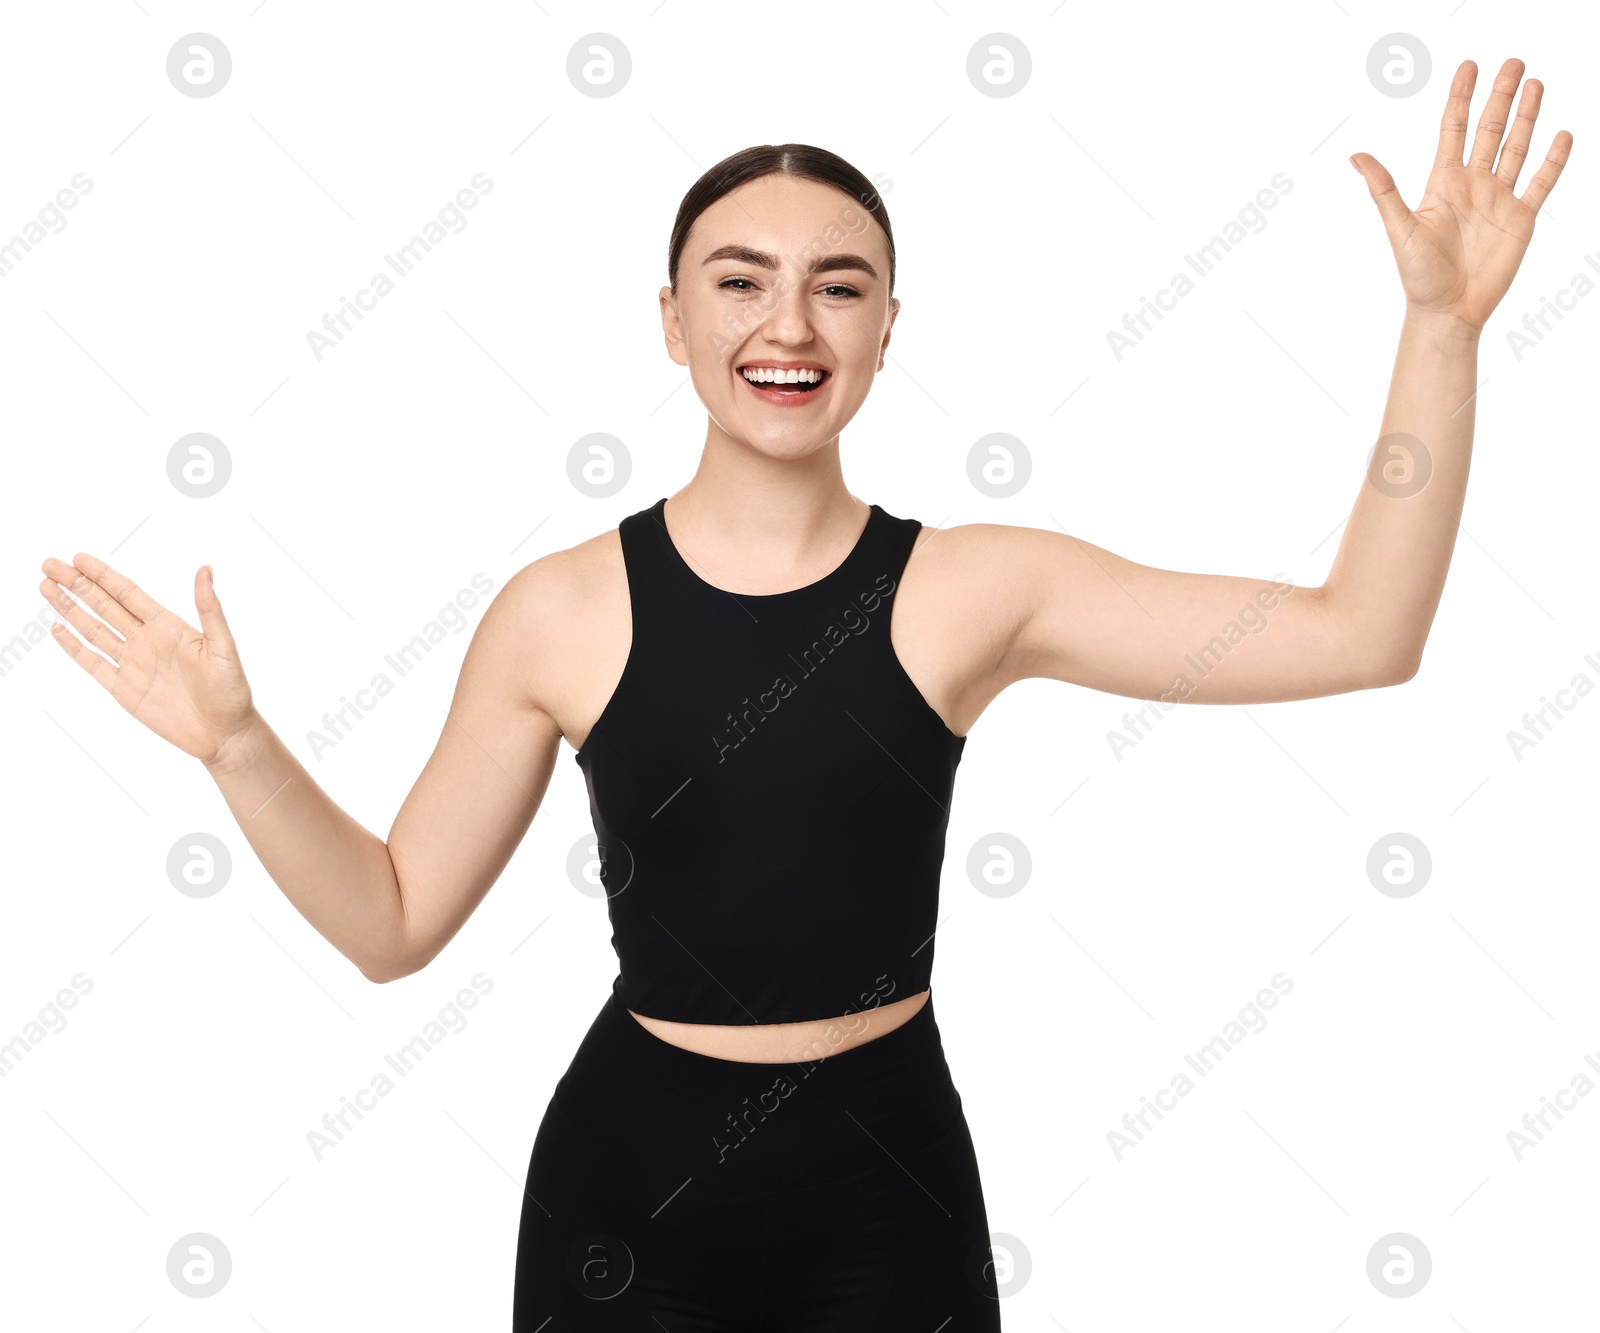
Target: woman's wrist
x,y
236,750
1442,325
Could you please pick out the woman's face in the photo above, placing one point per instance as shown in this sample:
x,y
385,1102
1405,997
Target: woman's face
x,y
781,270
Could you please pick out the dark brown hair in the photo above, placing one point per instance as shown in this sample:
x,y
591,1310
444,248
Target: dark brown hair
x,y
794,159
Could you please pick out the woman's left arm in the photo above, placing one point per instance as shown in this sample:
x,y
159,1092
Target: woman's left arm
x,y
1091,617
1457,255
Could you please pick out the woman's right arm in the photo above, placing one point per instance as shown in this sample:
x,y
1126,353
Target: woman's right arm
x,y
388,907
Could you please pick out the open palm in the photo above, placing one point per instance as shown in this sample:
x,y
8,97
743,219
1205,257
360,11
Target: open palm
x,y
1459,249
186,686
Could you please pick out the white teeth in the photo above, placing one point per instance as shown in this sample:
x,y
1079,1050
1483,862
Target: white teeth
x,y
765,376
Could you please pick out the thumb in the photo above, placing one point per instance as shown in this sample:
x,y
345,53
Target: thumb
x,y
1380,184
213,624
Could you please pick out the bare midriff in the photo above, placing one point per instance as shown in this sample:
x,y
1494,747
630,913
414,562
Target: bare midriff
x,y
783,1043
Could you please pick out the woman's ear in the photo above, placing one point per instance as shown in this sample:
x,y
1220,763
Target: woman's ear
x,y
894,309
672,327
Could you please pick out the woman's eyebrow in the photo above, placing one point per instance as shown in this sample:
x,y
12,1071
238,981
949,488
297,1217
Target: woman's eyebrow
x,y
761,259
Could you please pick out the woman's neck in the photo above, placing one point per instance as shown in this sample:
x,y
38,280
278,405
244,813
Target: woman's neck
x,y
766,518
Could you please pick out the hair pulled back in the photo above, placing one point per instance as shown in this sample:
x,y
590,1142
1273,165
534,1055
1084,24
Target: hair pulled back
x,y
792,159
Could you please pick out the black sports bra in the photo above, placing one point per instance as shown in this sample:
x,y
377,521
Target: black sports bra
x,y
770,791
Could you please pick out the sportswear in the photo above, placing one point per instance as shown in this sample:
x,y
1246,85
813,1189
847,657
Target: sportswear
x,y
672,1190
769,789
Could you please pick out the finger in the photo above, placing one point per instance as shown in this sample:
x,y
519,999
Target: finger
x,y
213,624
1380,184
86,590
1492,123
1453,126
118,586
97,666
1515,151
100,635
1549,171
1496,112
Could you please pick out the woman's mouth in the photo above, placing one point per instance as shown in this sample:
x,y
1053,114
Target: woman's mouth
x,y
785,388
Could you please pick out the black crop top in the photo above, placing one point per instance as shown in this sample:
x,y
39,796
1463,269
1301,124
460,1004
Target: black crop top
x,y
770,791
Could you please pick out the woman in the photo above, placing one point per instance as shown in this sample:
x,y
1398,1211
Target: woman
x,y
759,1129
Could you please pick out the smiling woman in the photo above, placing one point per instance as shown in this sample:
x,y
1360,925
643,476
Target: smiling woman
x,y
755,904
786,902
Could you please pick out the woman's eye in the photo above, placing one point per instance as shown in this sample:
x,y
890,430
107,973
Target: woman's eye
x,y
833,288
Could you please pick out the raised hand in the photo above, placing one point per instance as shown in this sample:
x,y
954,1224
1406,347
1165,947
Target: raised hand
x,y
186,686
1458,251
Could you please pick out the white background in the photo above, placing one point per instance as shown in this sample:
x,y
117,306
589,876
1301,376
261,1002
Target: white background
x,y
370,486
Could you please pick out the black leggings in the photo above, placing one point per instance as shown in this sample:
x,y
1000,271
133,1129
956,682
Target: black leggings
x,y
675,1191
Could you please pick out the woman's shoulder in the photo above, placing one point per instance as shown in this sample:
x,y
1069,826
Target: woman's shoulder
x,y
562,580
558,617
979,549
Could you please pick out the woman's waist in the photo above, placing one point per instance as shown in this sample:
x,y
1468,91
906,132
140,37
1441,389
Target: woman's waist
x,y
805,1041
833,1114
887,1058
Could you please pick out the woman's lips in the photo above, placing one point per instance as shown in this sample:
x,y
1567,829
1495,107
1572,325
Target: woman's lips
x,y
769,393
